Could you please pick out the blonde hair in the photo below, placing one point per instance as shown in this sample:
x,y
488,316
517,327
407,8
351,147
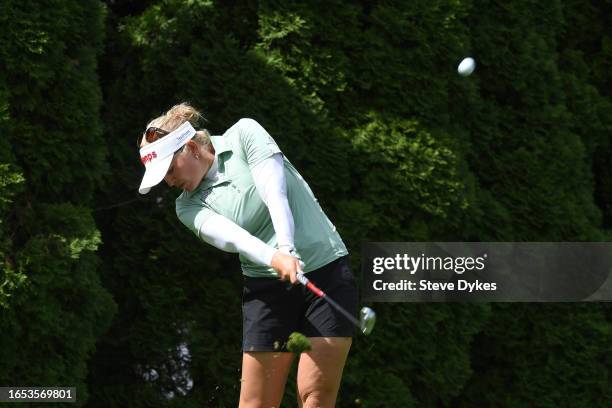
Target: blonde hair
x,y
176,116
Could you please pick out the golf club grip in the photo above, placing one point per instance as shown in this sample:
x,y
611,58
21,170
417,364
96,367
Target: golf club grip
x,y
314,289
306,282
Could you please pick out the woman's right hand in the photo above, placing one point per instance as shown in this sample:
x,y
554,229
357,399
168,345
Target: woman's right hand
x,y
286,266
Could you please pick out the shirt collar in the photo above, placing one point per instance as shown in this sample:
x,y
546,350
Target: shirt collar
x,y
220,144
212,173
216,174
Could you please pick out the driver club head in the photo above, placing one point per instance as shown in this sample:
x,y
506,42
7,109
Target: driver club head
x,y
367,319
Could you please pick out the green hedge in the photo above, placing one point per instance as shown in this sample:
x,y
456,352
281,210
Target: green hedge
x,y
364,99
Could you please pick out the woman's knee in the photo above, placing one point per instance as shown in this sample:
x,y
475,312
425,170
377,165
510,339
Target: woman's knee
x,y
321,397
263,378
320,371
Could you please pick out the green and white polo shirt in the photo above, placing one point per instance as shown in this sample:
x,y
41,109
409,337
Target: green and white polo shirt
x,y
234,195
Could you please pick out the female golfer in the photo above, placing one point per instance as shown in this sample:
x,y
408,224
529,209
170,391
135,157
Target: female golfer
x,y
242,195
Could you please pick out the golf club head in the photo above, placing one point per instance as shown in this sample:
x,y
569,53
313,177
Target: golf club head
x,y
367,319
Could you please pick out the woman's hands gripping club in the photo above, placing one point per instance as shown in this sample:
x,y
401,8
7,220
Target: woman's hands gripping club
x,y
287,266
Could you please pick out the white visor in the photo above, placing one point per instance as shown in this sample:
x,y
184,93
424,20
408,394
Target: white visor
x,y
157,156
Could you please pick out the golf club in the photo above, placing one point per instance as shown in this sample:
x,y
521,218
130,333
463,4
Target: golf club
x,y
367,317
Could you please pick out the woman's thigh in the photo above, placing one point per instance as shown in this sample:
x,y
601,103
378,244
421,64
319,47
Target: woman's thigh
x,y
264,375
320,370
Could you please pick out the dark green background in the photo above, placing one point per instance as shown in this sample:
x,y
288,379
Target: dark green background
x,y
100,286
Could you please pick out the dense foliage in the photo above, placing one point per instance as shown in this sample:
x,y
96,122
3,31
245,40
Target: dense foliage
x,y
103,289
53,305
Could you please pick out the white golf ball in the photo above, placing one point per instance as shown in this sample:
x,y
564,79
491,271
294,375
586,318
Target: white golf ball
x,y
467,66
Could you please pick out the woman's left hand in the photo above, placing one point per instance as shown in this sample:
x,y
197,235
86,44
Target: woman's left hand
x,y
286,266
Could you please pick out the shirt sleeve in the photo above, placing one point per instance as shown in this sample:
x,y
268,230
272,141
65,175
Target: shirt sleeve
x,y
224,234
256,142
193,216
269,178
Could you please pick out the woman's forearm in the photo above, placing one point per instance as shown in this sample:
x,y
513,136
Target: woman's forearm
x,y
228,236
269,179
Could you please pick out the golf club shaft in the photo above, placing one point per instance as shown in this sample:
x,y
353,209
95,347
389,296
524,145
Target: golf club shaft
x,y
342,310
311,286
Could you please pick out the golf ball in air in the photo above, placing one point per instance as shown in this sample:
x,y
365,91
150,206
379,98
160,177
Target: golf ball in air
x,y
466,67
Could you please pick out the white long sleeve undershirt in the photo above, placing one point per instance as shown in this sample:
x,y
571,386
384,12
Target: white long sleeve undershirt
x,y
269,178
228,236
223,233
